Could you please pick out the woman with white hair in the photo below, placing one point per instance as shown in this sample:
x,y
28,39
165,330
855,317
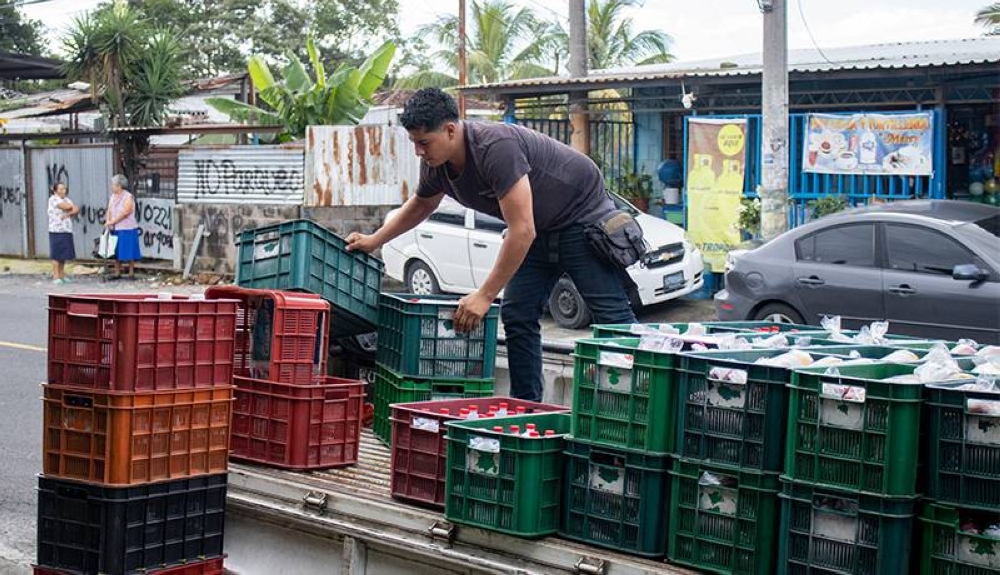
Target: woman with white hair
x,y
121,221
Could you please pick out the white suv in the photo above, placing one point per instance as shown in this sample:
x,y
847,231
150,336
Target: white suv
x,y
454,249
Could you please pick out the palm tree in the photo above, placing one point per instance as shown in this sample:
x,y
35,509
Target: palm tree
x,y
989,17
503,43
612,41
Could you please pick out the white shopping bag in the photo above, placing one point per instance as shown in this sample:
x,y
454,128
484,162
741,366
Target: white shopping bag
x,y
106,246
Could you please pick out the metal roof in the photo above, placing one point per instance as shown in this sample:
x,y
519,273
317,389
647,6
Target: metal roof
x,y
28,67
900,55
52,103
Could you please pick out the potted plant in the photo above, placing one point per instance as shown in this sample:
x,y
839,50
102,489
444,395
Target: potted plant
x,y
637,189
749,218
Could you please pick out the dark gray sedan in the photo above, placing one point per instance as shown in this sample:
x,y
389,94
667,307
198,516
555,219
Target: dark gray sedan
x,y
930,267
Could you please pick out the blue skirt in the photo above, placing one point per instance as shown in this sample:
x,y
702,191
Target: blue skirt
x,y
128,245
61,247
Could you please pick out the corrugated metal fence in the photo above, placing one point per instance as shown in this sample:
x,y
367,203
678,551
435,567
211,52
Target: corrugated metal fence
x,y
359,166
12,202
86,170
240,174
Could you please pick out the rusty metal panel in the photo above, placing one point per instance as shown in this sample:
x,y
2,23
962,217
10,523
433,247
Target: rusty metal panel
x,y
240,175
86,170
12,202
359,166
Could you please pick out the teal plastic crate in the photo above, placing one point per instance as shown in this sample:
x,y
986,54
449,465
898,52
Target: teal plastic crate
x,y
603,331
760,326
416,337
948,549
616,498
503,482
392,388
723,521
624,396
840,532
303,255
963,443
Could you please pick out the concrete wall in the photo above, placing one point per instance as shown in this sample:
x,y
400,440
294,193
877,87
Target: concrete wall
x,y
223,223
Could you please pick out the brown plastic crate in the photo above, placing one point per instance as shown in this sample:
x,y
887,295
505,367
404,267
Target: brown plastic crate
x,y
298,426
419,447
124,438
137,342
292,343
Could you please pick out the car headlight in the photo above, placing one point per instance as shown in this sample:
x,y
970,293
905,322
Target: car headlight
x,y
688,246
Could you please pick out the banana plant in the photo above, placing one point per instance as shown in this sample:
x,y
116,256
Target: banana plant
x,y
300,100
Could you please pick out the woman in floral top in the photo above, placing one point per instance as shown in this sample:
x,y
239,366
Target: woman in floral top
x,y
61,211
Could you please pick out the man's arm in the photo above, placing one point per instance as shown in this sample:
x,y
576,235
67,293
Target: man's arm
x,y
517,211
415,210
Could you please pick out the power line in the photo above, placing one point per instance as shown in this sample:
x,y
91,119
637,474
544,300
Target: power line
x,y
808,31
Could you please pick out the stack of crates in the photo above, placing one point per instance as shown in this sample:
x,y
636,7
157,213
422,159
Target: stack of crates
x,y
137,410
617,459
421,357
287,412
850,488
961,515
730,426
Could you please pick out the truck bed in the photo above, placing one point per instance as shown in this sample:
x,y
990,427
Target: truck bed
x,y
354,503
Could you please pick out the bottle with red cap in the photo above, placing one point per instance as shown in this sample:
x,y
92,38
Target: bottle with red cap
x,y
502,409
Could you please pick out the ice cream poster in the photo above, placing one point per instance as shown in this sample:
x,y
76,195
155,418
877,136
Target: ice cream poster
x,y
715,181
892,144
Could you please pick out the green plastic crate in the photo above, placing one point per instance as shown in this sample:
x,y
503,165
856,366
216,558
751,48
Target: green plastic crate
x,y
391,388
503,482
616,498
947,550
603,331
624,396
830,531
760,326
868,442
876,352
416,337
303,255
723,521
963,441
728,424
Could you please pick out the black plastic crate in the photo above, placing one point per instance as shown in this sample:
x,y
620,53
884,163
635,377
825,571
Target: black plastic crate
x,y
86,528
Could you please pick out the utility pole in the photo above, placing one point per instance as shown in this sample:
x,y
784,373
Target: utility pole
x,y
462,63
774,140
578,118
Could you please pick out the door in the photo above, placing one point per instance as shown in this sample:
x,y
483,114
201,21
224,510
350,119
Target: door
x,y
836,275
921,297
443,239
484,245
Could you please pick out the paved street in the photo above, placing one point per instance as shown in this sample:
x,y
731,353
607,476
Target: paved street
x,y
23,329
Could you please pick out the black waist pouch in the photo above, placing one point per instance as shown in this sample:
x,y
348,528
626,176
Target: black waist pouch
x,y
617,238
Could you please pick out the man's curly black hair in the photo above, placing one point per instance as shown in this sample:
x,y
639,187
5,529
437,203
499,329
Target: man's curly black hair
x,y
428,109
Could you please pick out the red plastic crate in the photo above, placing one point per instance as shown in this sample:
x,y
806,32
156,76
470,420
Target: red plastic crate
x,y
137,342
125,438
291,345
298,426
207,567
419,448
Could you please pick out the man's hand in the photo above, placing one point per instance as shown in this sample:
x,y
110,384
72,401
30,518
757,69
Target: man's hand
x,y
366,243
471,311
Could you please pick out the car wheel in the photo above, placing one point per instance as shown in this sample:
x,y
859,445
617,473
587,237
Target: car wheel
x,y
567,307
778,313
420,279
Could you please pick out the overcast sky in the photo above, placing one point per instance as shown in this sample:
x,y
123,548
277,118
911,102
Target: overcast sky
x,y
713,28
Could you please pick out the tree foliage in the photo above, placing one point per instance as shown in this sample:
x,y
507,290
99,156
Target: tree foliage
x,y
131,64
989,17
17,32
302,98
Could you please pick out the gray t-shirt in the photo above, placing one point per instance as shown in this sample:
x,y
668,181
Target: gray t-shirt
x,y
566,186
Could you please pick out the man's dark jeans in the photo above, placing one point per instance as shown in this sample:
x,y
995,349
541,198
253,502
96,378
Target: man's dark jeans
x,y
551,255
